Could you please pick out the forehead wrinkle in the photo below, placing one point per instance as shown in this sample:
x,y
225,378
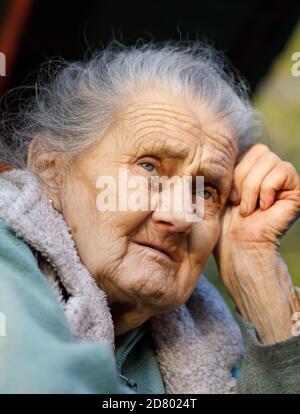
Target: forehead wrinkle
x,y
223,141
161,110
214,169
223,154
160,107
189,143
195,130
187,122
220,160
172,123
168,123
148,141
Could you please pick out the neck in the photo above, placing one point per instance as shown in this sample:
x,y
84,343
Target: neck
x,y
127,317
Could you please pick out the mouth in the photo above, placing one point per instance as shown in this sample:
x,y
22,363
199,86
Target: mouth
x,y
162,251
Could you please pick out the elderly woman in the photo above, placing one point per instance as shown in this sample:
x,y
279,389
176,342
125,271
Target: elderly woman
x,y
114,300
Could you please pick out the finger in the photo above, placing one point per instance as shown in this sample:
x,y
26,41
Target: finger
x,y
245,164
281,216
291,195
283,177
251,185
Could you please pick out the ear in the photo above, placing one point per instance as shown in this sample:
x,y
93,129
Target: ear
x,y
50,167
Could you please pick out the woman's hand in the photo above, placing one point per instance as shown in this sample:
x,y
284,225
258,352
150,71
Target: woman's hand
x,y
265,201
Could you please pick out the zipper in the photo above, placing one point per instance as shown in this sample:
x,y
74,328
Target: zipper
x,y
124,354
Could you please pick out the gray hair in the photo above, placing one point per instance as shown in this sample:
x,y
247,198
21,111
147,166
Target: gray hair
x,y
82,100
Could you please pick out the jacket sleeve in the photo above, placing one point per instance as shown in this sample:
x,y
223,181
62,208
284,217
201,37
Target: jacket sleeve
x,y
268,369
37,351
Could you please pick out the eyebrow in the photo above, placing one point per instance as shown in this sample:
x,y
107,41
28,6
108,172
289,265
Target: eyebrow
x,y
213,176
178,151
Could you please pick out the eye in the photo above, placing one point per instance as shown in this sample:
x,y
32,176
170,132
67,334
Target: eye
x,y
205,194
208,193
148,166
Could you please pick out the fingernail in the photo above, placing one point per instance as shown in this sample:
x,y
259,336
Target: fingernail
x,y
243,208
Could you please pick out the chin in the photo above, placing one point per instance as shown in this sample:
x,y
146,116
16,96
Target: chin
x,y
144,279
156,288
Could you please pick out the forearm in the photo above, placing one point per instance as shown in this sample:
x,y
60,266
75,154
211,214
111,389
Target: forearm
x,y
264,293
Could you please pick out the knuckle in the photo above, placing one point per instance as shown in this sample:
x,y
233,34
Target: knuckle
x,y
273,157
265,187
250,186
287,166
261,147
256,149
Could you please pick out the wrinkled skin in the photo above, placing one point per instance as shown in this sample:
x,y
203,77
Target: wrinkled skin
x,y
162,135
265,203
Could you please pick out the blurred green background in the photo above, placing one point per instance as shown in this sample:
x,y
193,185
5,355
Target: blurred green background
x,y
278,99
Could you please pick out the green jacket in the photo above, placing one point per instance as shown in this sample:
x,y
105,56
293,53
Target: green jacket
x,y
38,353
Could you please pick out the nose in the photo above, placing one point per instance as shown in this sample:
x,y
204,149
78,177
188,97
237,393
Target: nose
x,y
173,221
172,213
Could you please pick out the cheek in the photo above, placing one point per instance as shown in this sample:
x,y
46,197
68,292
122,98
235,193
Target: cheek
x,y
203,238
125,204
102,238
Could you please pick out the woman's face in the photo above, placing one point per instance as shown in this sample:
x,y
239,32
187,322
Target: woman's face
x,y
148,262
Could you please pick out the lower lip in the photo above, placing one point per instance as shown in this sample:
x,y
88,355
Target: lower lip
x,y
155,251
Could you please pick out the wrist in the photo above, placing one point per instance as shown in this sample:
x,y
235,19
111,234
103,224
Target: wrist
x,y
259,282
